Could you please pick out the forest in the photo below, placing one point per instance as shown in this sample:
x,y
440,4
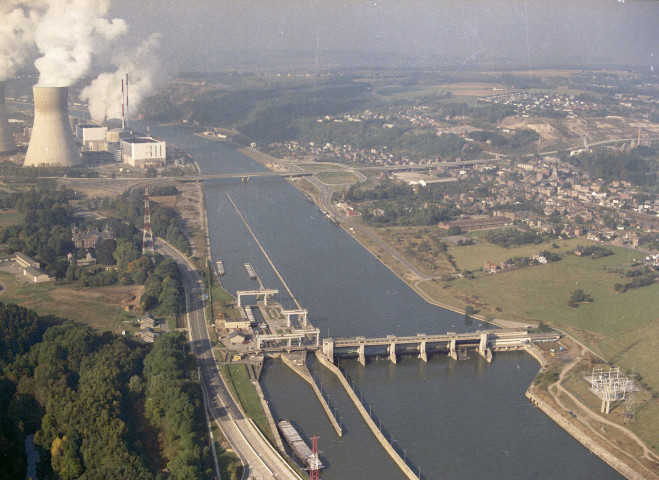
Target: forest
x,y
100,406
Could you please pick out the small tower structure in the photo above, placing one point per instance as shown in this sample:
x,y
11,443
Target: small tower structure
x,y
314,461
147,237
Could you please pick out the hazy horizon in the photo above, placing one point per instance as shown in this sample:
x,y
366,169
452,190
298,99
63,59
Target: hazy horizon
x,y
204,35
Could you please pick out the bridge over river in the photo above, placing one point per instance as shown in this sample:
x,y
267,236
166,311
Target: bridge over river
x,y
455,344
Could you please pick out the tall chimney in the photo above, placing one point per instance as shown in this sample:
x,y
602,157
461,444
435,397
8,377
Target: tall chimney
x,y
52,141
127,111
7,144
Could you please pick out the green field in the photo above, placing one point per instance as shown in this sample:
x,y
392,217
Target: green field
x,y
542,291
473,257
337,178
238,379
636,347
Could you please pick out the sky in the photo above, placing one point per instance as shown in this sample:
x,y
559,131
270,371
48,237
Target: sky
x,y
206,34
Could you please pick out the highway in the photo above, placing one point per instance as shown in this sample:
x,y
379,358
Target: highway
x,y
260,459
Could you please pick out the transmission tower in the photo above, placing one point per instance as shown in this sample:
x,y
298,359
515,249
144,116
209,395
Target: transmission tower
x,y
147,237
314,461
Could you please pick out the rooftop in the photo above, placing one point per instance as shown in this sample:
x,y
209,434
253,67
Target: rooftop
x,y
141,140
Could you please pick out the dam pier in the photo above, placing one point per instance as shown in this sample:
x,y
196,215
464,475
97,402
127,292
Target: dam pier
x,y
421,345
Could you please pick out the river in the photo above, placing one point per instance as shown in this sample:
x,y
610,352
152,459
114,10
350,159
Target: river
x,y
466,419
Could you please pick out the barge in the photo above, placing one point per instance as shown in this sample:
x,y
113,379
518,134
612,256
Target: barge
x,y
220,267
300,449
250,271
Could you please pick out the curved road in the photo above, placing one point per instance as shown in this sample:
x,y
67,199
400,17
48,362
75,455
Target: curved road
x,y
260,459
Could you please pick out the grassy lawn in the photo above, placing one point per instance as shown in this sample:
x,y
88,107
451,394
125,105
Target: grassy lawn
x,y
550,285
101,308
337,178
319,166
473,257
220,300
646,424
436,290
228,461
419,245
10,217
636,347
238,379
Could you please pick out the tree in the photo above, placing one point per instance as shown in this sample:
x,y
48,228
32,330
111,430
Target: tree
x,y
124,254
579,296
148,302
169,296
454,230
105,252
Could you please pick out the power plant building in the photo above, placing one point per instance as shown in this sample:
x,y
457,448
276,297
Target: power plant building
x,y
52,142
7,144
143,152
92,137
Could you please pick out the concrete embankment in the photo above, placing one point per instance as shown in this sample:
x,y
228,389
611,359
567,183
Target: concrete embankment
x,y
536,353
613,461
304,372
268,415
367,418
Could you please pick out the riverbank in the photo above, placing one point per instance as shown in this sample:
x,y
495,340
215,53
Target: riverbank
x,y
555,392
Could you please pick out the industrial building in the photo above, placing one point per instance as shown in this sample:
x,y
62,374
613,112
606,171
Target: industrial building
x,y
143,152
52,142
92,137
7,145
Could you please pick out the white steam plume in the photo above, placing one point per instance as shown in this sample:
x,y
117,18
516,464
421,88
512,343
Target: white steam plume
x,y
145,72
69,35
17,26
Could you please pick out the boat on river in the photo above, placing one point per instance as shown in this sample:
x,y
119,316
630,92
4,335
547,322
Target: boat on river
x,y
250,271
300,449
220,267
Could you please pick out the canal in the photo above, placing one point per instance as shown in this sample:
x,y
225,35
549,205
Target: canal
x,y
467,419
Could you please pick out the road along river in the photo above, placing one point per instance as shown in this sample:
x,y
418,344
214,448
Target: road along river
x,y
466,419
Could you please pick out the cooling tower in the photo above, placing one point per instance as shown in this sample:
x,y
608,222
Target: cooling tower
x,y
52,141
7,144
